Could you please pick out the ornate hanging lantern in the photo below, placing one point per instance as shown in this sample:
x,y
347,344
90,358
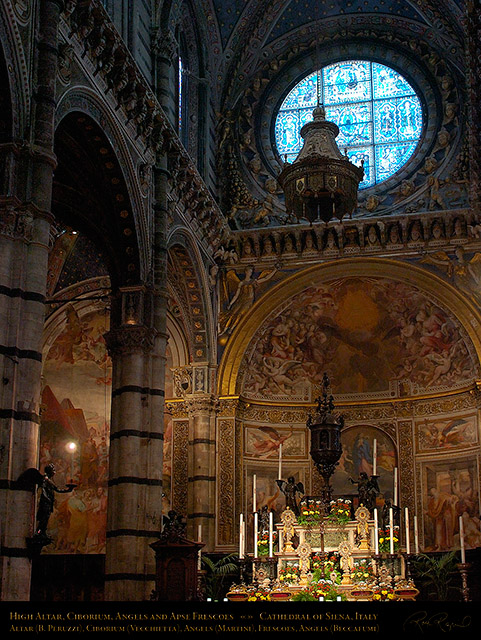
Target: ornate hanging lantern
x,y
326,448
321,183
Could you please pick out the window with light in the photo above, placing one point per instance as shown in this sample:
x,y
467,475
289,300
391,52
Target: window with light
x,y
378,113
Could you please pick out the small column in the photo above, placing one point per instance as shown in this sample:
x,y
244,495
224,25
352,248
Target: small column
x,y
202,465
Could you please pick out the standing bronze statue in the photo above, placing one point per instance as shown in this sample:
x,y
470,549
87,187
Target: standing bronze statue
x,y
291,489
367,489
47,499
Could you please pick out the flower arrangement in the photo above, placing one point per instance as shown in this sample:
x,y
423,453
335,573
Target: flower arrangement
x,y
323,589
362,571
290,574
326,567
258,594
385,540
383,592
263,542
310,513
340,512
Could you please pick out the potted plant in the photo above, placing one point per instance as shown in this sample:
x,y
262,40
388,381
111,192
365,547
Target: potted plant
x,y
216,572
435,573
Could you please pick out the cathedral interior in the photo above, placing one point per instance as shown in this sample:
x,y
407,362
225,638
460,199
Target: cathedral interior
x,y
174,303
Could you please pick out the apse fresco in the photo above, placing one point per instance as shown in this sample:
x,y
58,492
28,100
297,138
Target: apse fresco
x,y
76,409
450,492
370,335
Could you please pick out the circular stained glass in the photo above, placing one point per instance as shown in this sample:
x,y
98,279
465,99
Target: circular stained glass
x,y
377,111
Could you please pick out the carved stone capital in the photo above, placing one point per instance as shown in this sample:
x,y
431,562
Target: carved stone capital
x,y
130,339
202,404
16,222
165,45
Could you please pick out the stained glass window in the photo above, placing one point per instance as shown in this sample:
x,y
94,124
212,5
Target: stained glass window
x,y
377,111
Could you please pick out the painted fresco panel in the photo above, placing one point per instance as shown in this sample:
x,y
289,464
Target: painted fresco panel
x,y
76,408
450,490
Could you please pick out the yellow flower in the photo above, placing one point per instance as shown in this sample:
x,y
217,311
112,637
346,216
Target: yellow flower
x,y
376,596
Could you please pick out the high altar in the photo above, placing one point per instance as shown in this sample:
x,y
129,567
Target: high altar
x,y
324,549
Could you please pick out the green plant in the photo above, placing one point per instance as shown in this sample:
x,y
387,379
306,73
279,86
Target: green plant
x,y
216,572
436,573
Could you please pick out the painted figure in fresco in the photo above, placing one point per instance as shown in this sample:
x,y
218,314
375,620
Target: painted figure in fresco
x,y
244,296
265,447
47,499
291,489
442,510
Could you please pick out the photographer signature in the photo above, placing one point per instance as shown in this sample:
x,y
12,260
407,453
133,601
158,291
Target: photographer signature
x,y
424,621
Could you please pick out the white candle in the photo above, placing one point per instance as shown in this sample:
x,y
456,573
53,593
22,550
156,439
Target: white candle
x,y
391,532
241,536
416,534
395,487
199,538
280,463
406,520
254,493
461,540
374,458
376,533
271,534
256,516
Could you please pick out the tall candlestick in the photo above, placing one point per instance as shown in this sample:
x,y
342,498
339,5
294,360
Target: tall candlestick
x,y
271,534
376,533
416,535
374,458
395,487
256,517
199,538
391,532
461,540
279,476
241,536
254,493
406,521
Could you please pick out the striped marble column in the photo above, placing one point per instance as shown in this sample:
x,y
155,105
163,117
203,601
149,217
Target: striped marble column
x,y
135,464
25,220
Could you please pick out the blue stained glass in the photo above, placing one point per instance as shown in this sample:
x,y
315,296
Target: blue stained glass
x,y
303,95
377,111
387,83
288,132
389,158
354,122
363,156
